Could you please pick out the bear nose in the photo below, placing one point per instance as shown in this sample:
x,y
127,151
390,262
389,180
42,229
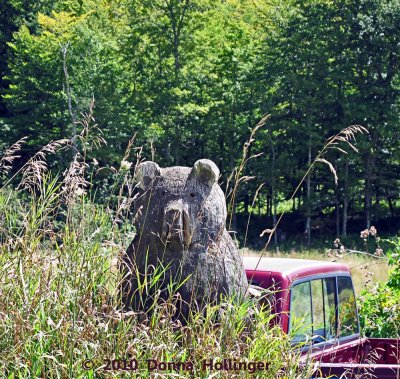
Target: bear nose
x,y
177,225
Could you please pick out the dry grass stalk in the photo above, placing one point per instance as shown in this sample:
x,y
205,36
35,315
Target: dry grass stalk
x,y
345,135
35,169
128,185
331,168
90,135
236,174
74,183
10,155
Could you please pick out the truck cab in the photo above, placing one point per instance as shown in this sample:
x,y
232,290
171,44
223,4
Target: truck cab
x,y
314,301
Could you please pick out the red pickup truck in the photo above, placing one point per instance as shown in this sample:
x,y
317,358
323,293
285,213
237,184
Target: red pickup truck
x,y
314,301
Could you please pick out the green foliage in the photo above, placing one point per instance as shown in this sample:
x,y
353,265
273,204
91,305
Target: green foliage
x,y
14,14
191,78
43,102
380,312
380,305
394,261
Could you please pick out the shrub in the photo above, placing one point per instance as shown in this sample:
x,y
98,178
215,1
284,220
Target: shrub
x,y
380,305
394,261
380,311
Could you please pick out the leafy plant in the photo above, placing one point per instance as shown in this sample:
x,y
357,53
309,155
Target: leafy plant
x,y
380,311
394,261
380,305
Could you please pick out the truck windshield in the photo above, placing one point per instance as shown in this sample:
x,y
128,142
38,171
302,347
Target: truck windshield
x,y
318,310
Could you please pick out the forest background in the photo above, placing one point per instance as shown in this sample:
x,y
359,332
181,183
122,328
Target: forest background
x,y
88,88
191,79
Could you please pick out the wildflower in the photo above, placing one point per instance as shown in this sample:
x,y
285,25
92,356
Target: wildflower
x,y
372,231
336,243
364,234
379,252
125,165
95,162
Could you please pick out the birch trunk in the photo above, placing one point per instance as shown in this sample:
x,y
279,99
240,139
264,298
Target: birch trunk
x,y
308,220
345,198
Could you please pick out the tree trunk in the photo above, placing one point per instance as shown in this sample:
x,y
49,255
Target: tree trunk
x,y
390,203
176,56
177,18
273,195
308,220
337,206
268,202
345,197
368,191
64,50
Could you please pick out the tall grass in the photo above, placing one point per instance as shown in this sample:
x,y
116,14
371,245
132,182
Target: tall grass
x,y
58,304
60,313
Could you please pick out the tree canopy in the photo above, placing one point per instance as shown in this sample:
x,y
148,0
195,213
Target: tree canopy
x,y
191,78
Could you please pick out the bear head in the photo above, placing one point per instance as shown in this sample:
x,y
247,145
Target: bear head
x,y
179,208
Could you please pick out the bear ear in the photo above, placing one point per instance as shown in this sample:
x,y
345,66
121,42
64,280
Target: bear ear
x,y
145,173
205,170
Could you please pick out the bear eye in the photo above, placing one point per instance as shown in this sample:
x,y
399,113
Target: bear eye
x,y
192,194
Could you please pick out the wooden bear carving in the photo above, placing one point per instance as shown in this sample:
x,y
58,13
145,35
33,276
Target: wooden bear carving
x,y
180,225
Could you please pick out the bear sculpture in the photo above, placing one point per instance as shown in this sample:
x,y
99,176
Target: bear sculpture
x,y
180,226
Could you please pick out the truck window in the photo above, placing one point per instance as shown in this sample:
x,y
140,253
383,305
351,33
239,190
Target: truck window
x,y
347,310
318,322
315,318
323,292
330,307
300,312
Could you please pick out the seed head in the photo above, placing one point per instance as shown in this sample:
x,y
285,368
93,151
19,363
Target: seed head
x,y
125,165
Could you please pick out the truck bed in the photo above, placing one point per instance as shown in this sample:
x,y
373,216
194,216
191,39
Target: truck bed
x,y
360,358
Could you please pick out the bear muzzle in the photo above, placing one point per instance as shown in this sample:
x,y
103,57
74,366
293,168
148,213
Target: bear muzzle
x,y
176,226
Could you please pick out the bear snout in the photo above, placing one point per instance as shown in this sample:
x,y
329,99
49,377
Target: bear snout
x,y
176,226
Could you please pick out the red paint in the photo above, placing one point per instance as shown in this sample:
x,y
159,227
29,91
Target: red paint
x,y
278,274
354,356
